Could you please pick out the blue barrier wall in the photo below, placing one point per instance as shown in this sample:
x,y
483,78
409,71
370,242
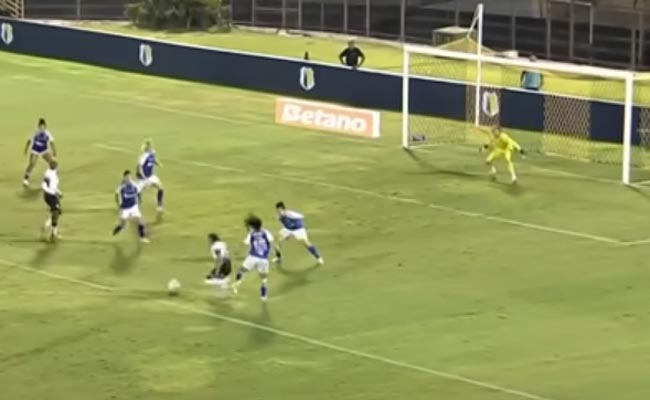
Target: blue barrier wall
x,y
362,88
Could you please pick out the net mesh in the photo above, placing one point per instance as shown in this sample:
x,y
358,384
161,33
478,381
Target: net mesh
x,y
569,129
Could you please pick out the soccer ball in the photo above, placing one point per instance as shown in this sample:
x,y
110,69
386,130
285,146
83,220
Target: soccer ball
x,y
173,287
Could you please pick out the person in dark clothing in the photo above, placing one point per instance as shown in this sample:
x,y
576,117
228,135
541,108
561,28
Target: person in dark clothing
x,y
352,56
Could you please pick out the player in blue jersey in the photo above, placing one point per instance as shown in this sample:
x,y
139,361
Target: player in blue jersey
x,y
41,144
146,176
260,242
293,226
127,197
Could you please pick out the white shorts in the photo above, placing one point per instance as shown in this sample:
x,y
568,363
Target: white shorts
x,y
131,213
40,153
144,183
299,234
260,265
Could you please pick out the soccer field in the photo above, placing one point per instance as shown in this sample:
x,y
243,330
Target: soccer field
x,y
437,283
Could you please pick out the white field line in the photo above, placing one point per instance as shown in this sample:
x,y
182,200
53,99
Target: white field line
x,y
548,170
642,183
151,104
636,242
398,199
292,336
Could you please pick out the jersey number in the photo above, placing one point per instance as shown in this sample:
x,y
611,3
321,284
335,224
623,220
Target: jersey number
x,y
260,245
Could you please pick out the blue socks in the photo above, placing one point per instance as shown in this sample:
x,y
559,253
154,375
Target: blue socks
x,y
159,197
141,230
314,251
239,276
264,291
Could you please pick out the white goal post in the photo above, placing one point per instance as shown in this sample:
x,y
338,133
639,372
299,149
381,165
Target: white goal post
x,y
485,75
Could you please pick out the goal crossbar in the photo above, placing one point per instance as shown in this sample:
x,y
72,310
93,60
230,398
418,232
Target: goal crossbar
x,y
521,62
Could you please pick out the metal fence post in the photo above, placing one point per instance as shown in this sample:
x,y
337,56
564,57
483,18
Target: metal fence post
x,y
322,15
633,41
284,14
78,10
300,15
402,21
549,35
253,13
513,25
457,13
367,17
572,23
346,10
641,38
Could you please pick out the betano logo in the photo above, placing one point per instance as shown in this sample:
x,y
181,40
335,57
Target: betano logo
x,y
327,117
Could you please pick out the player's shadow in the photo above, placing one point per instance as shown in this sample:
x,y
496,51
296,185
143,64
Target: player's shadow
x,y
508,188
429,169
261,332
293,279
160,218
29,193
643,192
123,262
43,254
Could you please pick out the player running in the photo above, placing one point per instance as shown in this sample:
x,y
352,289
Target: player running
x,y
146,176
293,226
127,197
502,145
218,276
52,196
41,144
259,243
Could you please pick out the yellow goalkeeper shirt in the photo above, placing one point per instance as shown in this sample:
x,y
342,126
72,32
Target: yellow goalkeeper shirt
x,y
505,142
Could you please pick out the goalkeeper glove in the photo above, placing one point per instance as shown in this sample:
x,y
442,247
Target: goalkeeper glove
x,y
484,147
522,152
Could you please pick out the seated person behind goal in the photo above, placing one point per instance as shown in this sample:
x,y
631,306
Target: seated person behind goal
x,y
502,145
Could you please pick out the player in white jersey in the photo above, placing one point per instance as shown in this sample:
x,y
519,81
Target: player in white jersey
x,y
41,144
260,242
127,197
218,276
146,174
293,226
52,196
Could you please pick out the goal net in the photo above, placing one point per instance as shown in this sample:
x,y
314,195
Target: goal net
x,y
587,120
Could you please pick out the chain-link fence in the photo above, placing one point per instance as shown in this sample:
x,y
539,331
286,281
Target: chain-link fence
x,y
613,33
607,32
75,9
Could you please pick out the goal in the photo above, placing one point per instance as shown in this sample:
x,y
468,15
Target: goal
x,y
453,95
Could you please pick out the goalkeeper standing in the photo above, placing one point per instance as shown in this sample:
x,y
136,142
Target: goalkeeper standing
x,y
502,145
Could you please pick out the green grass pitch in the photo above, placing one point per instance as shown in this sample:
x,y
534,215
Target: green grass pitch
x,y
438,283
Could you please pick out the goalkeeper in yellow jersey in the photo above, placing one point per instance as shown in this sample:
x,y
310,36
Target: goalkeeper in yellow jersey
x,y
502,145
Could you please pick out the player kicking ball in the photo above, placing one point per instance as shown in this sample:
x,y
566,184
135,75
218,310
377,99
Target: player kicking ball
x,y
146,176
127,197
293,226
52,196
219,275
259,242
41,144
502,145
